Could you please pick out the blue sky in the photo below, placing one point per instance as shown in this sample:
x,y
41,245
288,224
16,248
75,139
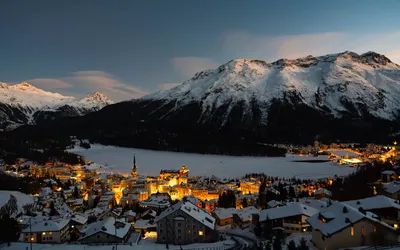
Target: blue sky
x,y
127,48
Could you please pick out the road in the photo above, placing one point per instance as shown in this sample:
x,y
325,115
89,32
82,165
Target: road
x,y
242,242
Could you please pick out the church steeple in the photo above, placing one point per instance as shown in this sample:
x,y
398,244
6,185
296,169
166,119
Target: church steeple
x,y
134,169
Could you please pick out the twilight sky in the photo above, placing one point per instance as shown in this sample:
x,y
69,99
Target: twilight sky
x,y
129,48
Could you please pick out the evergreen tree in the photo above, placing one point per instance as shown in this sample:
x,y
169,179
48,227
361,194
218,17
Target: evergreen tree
x,y
76,194
9,230
303,245
258,229
291,245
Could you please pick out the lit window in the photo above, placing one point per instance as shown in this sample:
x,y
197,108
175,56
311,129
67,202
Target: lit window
x,y
51,233
352,231
201,233
374,229
396,226
32,239
362,231
44,233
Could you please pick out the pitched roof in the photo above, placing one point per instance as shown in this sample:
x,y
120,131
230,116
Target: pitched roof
x,y
339,216
192,210
245,214
392,187
291,209
374,202
107,226
224,213
47,226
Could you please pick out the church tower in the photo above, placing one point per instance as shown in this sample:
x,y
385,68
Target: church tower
x,y
134,169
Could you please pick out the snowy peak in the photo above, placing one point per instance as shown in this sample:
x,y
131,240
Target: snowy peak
x,y
95,100
335,84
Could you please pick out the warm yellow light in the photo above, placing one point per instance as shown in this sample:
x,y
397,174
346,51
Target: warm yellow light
x,y
32,239
304,229
396,226
51,233
352,231
44,233
395,143
201,233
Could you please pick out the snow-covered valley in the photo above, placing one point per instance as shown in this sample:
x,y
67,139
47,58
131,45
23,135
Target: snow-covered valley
x,y
150,162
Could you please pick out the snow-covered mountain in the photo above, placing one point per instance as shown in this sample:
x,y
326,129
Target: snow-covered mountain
x,y
23,103
338,84
243,105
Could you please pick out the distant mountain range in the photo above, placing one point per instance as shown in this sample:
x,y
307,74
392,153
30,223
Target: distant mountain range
x,y
24,104
242,103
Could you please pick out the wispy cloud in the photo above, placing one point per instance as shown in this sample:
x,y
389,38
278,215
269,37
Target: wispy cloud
x,y
85,82
188,66
166,86
243,44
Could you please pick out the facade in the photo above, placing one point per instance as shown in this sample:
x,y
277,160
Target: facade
x,y
184,223
292,217
342,226
47,232
224,216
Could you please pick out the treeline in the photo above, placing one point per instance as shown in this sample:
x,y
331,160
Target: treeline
x,y
28,185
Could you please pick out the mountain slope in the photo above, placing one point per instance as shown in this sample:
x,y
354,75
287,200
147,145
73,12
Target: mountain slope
x,y
23,103
246,103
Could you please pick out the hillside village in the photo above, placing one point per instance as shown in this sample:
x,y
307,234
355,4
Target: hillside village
x,y
77,204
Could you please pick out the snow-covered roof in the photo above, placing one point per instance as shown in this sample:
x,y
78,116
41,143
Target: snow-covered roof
x,y
291,209
129,213
317,204
374,202
388,172
224,213
107,226
78,218
143,224
392,187
323,191
45,192
245,214
192,210
47,226
150,212
274,203
339,216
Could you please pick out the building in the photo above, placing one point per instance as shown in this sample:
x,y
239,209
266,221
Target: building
x,y
322,193
145,225
392,189
292,217
342,226
183,172
184,223
47,232
134,168
386,208
224,216
109,230
388,176
242,218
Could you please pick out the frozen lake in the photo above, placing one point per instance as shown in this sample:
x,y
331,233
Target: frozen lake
x,y
150,162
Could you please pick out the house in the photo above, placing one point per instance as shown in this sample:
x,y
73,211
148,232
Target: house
x,y
129,216
322,193
47,231
224,216
386,208
145,225
149,214
343,226
242,218
274,203
108,230
292,217
392,189
157,201
388,176
184,223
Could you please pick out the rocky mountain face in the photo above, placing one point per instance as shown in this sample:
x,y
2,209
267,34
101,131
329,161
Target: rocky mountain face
x,y
244,104
24,104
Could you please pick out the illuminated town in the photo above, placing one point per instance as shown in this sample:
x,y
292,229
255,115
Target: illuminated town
x,y
79,197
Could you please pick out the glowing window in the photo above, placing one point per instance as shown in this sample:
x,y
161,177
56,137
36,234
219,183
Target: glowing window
x,y
362,231
201,233
352,231
396,226
374,229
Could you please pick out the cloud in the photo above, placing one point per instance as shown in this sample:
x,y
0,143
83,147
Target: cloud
x,y
50,83
167,86
188,66
86,82
243,44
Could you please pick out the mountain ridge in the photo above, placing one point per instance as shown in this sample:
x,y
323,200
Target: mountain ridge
x,y
23,103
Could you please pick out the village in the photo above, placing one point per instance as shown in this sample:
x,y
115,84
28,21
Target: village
x,y
77,204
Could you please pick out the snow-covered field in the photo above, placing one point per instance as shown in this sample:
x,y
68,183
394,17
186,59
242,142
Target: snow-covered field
x,y
150,162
